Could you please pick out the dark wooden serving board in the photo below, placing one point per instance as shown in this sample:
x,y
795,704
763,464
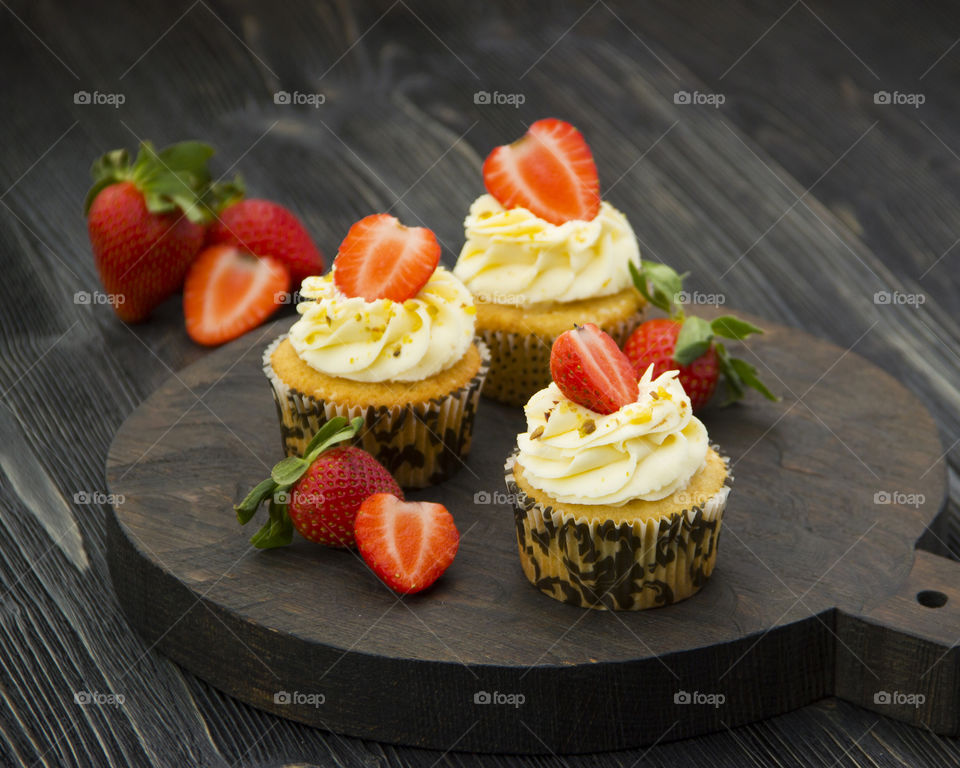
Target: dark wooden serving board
x,y
818,591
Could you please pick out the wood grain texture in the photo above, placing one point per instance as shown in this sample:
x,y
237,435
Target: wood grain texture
x,y
810,547
400,80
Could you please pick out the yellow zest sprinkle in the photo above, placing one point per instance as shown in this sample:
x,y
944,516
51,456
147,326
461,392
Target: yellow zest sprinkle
x,y
664,395
471,310
643,417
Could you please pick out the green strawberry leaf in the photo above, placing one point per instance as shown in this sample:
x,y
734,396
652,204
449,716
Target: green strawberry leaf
x,y
277,531
344,433
693,340
732,327
329,428
246,508
748,375
287,471
222,194
192,157
731,378
738,375
658,284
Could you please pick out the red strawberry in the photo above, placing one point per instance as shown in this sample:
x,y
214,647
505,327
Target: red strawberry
x,y
382,259
549,171
145,222
407,544
229,291
324,502
268,229
320,493
590,369
688,344
654,343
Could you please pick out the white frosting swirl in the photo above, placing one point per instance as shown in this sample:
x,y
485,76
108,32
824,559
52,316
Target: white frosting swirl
x,y
512,256
647,450
383,340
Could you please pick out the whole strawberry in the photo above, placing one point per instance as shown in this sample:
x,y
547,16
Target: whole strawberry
x,y
320,493
689,344
655,342
146,223
324,502
268,229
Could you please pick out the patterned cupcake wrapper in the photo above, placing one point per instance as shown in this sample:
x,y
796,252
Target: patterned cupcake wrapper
x,y
520,362
626,566
421,444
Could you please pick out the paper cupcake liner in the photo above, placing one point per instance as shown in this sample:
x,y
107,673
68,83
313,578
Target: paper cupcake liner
x,y
419,443
520,362
625,566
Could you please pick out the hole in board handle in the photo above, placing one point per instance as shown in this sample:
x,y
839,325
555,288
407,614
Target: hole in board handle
x,y
931,598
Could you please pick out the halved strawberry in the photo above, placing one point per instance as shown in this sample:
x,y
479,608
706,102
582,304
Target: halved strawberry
x,y
408,544
590,369
229,291
382,259
549,171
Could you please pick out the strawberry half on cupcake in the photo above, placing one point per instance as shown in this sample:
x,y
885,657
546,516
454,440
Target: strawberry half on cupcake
x,y
618,493
542,253
387,335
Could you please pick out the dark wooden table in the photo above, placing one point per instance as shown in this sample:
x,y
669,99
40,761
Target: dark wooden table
x,y
799,198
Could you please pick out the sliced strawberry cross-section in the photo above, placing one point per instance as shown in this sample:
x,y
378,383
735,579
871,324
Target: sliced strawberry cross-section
x,y
229,291
589,368
408,544
380,258
549,171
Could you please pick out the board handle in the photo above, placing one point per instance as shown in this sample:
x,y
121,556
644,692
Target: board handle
x,y
900,658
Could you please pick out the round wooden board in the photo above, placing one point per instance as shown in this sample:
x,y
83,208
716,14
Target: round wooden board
x,y
814,593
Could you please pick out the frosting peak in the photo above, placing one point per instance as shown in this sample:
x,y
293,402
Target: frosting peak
x,y
646,451
512,256
383,340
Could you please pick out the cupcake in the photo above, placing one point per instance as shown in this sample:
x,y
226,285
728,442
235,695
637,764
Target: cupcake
x,y
387,335
543,252
619,495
